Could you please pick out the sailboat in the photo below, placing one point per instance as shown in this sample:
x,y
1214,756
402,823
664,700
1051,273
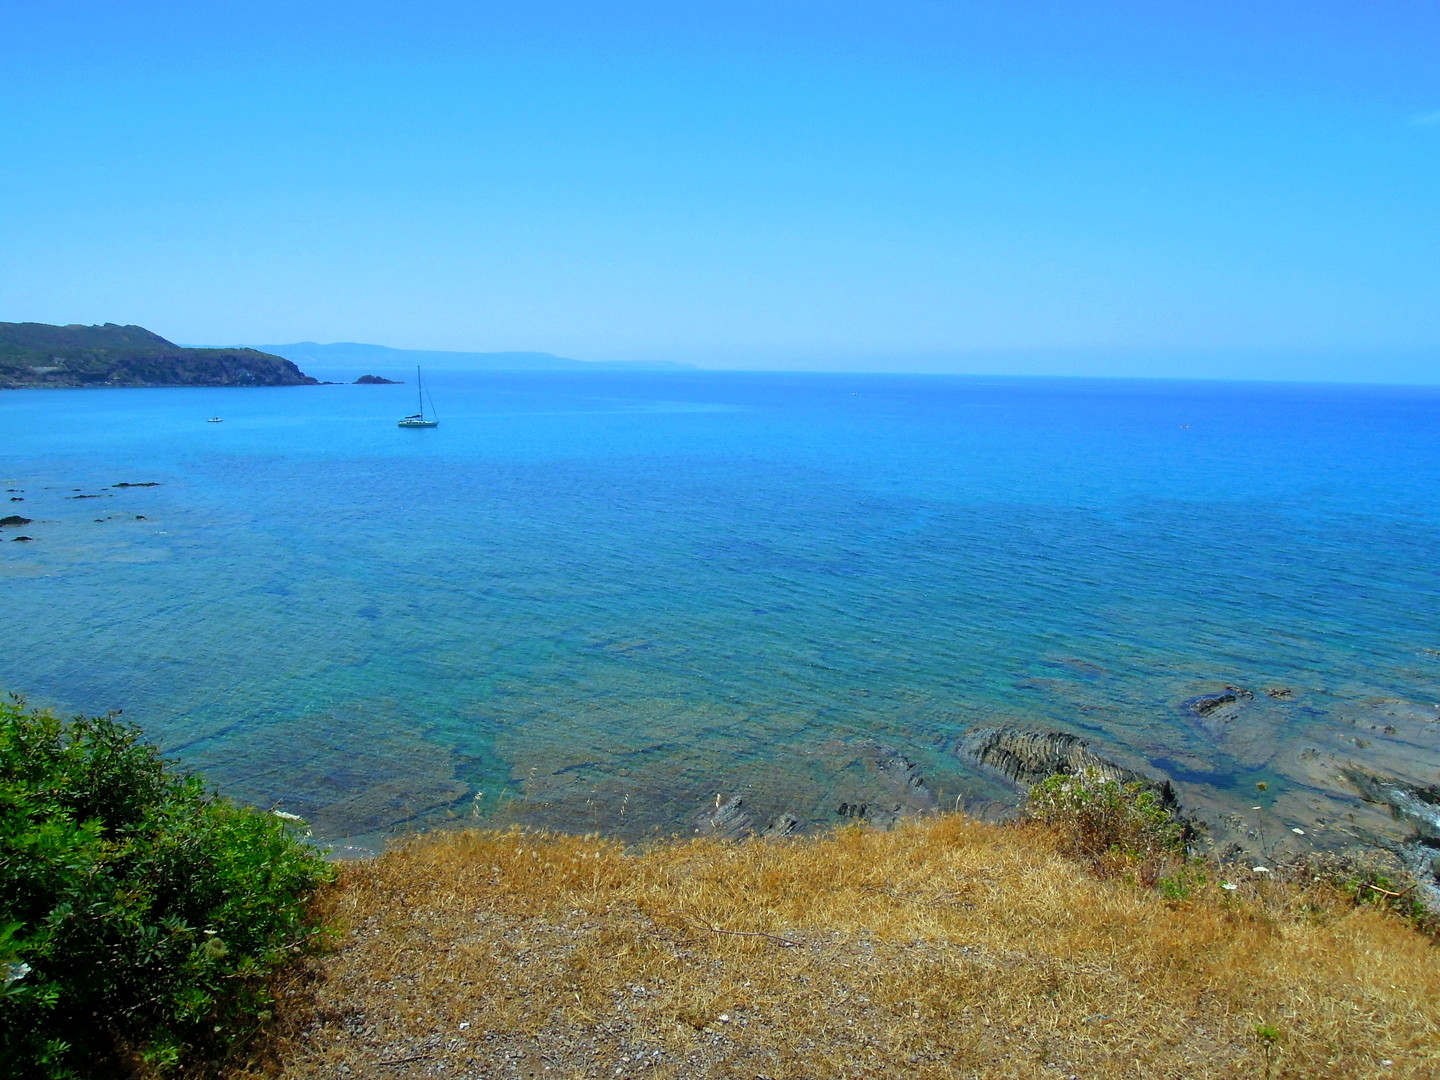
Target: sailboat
x,y
417,419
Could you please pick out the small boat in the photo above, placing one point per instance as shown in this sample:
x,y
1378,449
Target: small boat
x,y
417,419
215,420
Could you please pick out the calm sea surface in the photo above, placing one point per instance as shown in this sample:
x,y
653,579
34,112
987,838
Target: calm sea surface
x,y
600,600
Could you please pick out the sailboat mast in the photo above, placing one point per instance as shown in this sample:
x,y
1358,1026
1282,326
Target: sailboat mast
x,y
419,403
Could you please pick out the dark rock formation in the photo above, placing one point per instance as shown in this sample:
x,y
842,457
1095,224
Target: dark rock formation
x,y
891,787
145,483
41,355
783,825
14,538
1028,757
1418,808
1216,711
375,380
726,818
15,519
903,775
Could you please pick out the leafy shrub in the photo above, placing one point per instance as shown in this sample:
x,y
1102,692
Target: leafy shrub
x,y
140,914
1117,828
1185,882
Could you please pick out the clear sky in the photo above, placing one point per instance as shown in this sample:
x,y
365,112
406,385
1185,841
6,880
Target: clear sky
x,y
1206,188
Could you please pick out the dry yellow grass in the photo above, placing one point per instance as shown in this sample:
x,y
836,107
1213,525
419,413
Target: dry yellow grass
x,y
946,948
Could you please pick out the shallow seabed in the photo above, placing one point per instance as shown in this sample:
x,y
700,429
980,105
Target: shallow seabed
x,y
598,601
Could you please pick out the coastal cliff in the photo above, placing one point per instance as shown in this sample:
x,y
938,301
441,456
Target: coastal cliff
x,y
41,355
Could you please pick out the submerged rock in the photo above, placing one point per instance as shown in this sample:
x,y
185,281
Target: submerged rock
x,y
726,818
878,784
783,825
897,775
15,519
902,774
1216,712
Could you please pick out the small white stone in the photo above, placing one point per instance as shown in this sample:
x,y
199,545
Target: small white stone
x,y
464,1024
1262,869
1229,886
724,1018
1298,832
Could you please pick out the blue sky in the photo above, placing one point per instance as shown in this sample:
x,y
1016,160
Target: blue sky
x,y
1218,189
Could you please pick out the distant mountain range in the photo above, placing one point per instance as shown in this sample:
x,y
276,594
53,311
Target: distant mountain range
x,y
40,355
351,354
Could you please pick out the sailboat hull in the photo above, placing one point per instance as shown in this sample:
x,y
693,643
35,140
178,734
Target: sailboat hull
x,y
417,418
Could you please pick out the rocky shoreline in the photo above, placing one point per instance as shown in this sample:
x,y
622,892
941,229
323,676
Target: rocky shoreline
x,y
1406,834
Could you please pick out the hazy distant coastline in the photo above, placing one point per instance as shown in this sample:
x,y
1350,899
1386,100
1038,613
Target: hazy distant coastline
x,y
43,355
353,354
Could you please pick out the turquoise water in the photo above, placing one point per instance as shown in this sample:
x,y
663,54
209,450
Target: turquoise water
x,y
601,600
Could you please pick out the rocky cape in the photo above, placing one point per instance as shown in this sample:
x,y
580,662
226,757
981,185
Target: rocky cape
x,y
41,355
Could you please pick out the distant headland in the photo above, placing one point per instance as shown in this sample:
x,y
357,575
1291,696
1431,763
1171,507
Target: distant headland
x,y
356,354
41,355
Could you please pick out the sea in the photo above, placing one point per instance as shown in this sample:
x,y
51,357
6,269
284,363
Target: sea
x,y
615,601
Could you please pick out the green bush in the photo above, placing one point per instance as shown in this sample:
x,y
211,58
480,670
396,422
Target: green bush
x,y
140,914
1117,828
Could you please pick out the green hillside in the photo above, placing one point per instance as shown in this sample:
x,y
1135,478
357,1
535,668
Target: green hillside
x,y
41,355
